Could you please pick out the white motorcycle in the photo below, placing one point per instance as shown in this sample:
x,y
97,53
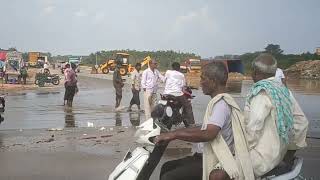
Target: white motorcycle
x,y
140,163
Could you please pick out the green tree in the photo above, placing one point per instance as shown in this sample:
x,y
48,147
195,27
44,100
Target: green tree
x,y
12,49
164,58
274,49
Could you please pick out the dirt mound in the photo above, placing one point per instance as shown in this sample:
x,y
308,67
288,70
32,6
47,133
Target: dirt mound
x,y
234,76
304,70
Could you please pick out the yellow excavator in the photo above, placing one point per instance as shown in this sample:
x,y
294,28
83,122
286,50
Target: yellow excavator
x,y
120,58
123,60
145,61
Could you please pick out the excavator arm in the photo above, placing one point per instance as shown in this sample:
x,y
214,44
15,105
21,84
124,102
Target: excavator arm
x,y
145,61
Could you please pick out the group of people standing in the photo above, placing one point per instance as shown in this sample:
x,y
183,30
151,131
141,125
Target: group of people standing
x,y
241,144
148,82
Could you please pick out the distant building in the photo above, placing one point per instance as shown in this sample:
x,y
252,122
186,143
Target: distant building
x,y
318,51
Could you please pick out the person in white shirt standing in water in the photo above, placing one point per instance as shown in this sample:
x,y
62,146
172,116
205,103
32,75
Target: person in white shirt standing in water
x,y
175,81
149,84
279,76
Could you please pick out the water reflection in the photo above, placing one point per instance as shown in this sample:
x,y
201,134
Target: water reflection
x,y
69,118
38,109
134,118
304,86
118,119
1,140
234,86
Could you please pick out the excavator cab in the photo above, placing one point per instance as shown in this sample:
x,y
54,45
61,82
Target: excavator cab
x,y
122,59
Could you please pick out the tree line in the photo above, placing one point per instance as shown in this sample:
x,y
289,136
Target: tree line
x,y
284,60
165,58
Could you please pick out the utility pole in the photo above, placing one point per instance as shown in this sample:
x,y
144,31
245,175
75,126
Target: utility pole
x,y
96,66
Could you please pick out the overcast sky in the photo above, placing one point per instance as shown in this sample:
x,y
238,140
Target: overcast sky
x,y
205,27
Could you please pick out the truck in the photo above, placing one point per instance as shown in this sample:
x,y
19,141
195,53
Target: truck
x,y
192,69
12,66
36,59
191,66
33,58
75,60
71,59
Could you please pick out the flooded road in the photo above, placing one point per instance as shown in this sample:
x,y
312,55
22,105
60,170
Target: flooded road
x,y
94,106
44,108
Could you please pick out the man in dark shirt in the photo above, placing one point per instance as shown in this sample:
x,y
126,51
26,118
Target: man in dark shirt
x,y
118,84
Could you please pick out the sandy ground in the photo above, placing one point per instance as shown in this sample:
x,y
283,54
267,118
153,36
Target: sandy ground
x,y
79,153
89,153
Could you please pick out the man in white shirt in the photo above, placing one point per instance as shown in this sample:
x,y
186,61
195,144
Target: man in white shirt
x,y
46,68
275,124
174,82
279,76
149,83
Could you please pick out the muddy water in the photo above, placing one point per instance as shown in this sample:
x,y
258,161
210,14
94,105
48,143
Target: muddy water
x,y
93,106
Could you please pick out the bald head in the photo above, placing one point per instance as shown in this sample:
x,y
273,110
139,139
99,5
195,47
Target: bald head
x,y
265,63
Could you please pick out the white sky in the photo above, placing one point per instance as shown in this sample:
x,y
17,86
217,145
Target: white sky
x,y
205,27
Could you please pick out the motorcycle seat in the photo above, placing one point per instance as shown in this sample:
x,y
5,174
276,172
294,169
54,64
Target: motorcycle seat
x,y
168,97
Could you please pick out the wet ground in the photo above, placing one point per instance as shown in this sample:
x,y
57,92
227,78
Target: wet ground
x,y
94,105
90,153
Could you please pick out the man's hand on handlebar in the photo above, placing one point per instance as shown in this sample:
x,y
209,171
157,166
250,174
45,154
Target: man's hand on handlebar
x,y
164,138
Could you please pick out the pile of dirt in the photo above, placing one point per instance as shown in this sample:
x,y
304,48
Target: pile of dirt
x,y
304,70
234,76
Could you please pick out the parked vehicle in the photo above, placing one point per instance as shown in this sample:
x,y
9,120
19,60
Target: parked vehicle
x,y
42,78
36,59
12,66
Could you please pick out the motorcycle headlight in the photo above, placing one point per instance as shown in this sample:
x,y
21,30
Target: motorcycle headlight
x,y
168,111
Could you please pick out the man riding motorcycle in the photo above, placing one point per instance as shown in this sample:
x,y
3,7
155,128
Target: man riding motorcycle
x,y
174,83
220,138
